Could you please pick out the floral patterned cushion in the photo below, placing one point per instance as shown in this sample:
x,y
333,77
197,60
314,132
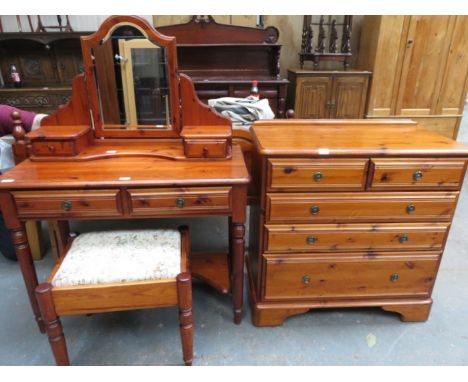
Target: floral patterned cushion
x,y
119,256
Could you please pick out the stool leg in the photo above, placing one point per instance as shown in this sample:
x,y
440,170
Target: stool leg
x,y
184,296
52,323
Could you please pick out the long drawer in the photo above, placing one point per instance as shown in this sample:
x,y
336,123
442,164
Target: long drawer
x,y
317,174
349,275
360,206
356,237
68,204
173,201
399,173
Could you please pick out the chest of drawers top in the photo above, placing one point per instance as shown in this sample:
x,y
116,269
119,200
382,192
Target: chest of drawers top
x,y
352,138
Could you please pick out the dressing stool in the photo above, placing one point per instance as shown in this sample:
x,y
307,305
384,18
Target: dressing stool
x,y
119,270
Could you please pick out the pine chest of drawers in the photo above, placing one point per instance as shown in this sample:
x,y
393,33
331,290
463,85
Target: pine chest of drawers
x,y
351,214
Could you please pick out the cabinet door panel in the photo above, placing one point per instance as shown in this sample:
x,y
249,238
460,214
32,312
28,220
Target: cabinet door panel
x,y
349,97
423,64
312,95
379,52
454,84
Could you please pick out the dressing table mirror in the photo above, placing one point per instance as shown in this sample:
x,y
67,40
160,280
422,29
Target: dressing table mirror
x,y
133,142
131,90
135,79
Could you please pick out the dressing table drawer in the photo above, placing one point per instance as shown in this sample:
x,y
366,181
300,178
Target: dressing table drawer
x,y
317,174
350,275
97,203
399,173
206,148
171,201
53,148
360,206
356,237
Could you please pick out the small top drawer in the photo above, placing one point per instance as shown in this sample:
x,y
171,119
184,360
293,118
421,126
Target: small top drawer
x,y
420,173
45,148
207,148
317,174
173,201
83,203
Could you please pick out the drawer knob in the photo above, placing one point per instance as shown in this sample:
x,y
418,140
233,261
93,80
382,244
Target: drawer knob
x,y
410,208
403,238
180,202
417,175
66,205
306,279
51,148
314,210
318,176
311,239
394,277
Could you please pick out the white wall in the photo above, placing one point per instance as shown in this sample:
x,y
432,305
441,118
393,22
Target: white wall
x,y
78,23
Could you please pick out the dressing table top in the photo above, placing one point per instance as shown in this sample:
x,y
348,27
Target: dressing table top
x,y
126,171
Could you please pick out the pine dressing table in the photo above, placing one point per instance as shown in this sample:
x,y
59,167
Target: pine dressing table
x,y
133,142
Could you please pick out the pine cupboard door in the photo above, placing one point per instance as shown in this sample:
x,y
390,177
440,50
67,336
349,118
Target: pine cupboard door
x,y
348,97
380,53
312,97
455,81
425,54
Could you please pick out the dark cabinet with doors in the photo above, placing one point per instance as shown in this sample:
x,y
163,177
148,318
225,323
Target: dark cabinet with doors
x,y
47,62
328,94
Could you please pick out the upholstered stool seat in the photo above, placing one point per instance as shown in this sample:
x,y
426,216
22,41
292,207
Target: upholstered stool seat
x,y
121,256
112,271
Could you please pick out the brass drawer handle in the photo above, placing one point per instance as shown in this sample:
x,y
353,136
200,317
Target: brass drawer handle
x,y
180,202
410,208
314,210
403,238
67,205
318,176
311,239
394,277
306,279
417,175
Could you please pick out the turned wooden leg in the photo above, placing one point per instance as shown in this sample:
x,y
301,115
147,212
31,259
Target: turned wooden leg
x,y
231,242
237,273
52,324
184,297
28,271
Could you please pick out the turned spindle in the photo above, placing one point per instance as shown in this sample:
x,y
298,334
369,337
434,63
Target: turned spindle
x,y
20,149
18,130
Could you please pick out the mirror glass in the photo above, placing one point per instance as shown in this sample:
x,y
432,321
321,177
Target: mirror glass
x,y
132,80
